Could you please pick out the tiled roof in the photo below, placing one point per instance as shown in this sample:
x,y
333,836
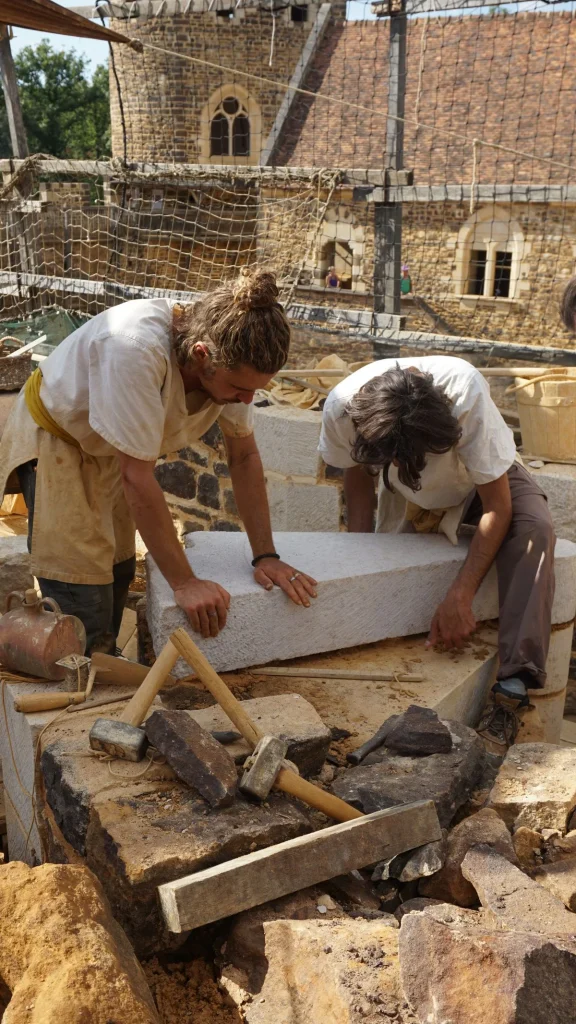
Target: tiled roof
x,y
506,78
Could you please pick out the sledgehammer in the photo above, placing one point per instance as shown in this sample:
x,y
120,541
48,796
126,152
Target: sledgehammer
x,y
122,737
272,751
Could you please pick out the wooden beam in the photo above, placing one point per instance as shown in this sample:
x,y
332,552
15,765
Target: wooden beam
x,y
18,139
268,874
488,193
420,340
352,318
203,175
296,82
388,213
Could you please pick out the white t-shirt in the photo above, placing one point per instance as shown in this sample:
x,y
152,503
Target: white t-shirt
x,y
485,451
115,384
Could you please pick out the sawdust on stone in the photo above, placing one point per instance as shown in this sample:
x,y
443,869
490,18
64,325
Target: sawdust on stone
x,y
186,993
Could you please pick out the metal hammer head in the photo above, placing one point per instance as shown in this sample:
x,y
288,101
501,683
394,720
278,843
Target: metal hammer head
x,y
118,739
262,767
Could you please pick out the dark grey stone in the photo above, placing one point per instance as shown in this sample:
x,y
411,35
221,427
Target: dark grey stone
x,y
213,437
199,513
190,527
221,469
223,526
196,757
333,473
230,505
68,800
418,732
386,779
208,491
177,478
191,455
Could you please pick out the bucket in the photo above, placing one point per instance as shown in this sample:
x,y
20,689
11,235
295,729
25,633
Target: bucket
x,y
547,412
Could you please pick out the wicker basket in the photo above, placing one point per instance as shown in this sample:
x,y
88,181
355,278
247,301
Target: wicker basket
x,y
14,371
547,411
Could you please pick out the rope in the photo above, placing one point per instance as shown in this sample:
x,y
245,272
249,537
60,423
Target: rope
x,y
319,221
462,136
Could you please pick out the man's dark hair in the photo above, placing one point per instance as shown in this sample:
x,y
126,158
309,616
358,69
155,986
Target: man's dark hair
x,y
402,415
568,306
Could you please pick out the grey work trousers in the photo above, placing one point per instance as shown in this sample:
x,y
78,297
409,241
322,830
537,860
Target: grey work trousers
x,y
99,607
525,567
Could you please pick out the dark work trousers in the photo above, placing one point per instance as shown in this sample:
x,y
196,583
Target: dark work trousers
x,y
99,607
525,566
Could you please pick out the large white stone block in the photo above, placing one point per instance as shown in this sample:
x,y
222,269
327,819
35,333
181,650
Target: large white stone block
x,y
559,484
287,439
370,587
305,507
14,568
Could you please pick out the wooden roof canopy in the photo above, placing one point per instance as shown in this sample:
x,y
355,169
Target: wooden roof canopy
x,y
47,16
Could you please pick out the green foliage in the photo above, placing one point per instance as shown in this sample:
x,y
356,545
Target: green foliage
x,y
66,115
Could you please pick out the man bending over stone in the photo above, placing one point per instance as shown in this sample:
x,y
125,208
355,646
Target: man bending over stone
x,y
142,379
446,456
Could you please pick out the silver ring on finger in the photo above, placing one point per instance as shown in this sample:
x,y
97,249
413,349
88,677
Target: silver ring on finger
x,y
212,615
294,577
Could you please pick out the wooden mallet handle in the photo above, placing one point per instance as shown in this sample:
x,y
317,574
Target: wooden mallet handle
x,y
32,703
217,687
135,711
287,781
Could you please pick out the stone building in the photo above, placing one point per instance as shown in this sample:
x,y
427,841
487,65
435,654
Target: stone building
x,y
483,269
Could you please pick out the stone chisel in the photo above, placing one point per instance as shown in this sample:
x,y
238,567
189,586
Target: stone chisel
x,y
377,740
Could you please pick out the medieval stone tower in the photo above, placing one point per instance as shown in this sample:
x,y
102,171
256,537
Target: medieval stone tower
x,y
169,107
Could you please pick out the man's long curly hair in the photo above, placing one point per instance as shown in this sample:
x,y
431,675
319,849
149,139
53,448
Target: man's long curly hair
x,y
402,416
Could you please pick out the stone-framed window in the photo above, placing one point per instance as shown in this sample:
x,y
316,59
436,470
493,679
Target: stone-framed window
x,y
489,255
340,243
231,127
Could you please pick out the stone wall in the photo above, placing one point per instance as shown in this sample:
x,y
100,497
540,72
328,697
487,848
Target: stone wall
x,y
304,494
165,98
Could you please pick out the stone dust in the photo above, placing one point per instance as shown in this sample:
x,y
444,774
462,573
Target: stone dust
x,y
186,993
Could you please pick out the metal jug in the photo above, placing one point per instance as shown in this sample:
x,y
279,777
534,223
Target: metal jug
x,y
36,635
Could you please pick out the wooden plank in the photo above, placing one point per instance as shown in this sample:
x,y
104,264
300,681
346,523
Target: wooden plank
x,y
278,870
296,82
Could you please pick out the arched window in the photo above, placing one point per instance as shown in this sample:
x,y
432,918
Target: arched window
x,y
230,129
489,255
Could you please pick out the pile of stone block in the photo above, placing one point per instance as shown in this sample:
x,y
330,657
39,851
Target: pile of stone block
x,y
477,927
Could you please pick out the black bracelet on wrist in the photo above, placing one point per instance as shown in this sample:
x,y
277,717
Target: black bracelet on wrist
x,y
269,554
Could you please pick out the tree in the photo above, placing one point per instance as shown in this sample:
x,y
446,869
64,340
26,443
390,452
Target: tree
x,y
65,113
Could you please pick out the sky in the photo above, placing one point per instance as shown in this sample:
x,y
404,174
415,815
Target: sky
x,y
96,51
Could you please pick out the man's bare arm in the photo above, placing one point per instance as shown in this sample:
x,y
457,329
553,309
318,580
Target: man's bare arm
x,y
360,495
454,621
204,602
249,486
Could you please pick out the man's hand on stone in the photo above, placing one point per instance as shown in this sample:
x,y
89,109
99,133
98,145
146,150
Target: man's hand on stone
x,y
452,624
297,585
206,605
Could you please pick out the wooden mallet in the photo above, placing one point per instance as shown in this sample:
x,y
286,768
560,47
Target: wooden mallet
x,y
280,777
